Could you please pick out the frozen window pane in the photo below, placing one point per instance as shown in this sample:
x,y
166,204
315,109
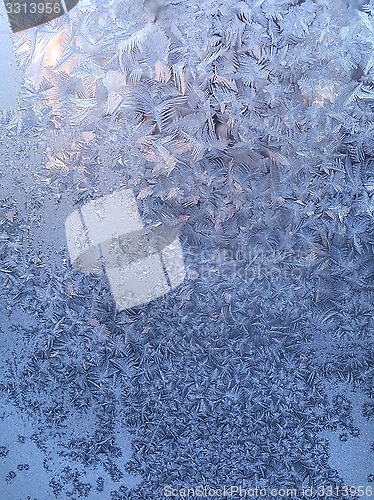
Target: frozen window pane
x,y
111,216
85,256
138,283
141,263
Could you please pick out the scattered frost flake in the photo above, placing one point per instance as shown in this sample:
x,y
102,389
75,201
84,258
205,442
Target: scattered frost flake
x,y
145,193
88,136
172,193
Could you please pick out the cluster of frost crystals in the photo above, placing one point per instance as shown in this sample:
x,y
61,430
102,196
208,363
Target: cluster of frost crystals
x,y
154,87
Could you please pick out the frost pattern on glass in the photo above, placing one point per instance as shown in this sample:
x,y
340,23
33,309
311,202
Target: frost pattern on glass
x,y
251,124
287,82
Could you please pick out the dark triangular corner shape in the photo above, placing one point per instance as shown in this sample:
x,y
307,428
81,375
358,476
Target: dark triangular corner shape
x,y
25,14
70,4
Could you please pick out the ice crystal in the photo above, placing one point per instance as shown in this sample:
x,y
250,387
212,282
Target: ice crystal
x,y
243,83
